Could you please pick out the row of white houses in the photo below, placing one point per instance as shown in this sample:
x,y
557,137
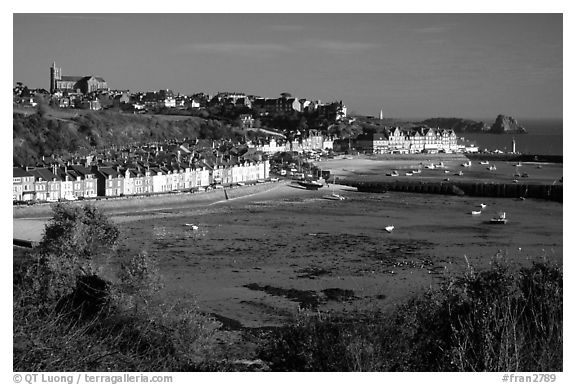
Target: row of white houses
x,y
77,181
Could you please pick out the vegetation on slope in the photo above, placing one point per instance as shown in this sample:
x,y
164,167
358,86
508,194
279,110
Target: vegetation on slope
x,y
494,320
43,134
67,317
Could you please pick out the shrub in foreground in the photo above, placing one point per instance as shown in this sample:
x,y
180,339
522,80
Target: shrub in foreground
x,y
493,320
68,318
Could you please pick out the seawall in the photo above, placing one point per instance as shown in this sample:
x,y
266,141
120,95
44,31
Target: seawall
x,y
481,189
517,157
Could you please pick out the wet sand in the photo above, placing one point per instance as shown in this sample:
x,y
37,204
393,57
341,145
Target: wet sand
x,y
258,260
29,221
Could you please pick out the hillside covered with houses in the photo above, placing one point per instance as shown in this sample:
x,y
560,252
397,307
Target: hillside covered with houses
x,y
82,140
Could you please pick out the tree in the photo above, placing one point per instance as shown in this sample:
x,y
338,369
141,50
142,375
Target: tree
x,y
72,239
344,130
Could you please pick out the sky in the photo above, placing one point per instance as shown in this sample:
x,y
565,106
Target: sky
x,y
407,65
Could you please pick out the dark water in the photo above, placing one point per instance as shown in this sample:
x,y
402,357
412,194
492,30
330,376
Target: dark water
x,y
544,137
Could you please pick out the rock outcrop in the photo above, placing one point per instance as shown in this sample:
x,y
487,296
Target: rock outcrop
x,y
506,125
457,124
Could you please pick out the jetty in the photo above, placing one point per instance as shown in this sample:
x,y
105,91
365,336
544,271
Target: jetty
x,y
553,192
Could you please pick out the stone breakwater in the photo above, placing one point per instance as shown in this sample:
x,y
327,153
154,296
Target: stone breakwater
x,y
480,189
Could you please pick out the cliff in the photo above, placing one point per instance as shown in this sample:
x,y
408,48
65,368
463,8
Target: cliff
x,y
506,125
457,124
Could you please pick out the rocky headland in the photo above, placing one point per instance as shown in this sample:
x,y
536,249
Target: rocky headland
x,y
502,125
506,125
457,124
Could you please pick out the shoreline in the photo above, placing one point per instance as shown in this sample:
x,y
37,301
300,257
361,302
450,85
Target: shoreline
x,y
29,221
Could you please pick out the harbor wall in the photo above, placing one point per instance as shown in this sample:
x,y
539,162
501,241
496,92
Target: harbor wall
x,y
516,158
480,189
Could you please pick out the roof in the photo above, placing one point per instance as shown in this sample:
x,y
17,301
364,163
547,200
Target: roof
x,y
18,172
44,173
79,78
81,170
71,78
108,171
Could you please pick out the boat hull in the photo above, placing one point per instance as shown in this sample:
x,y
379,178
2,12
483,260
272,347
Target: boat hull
x,y
310,185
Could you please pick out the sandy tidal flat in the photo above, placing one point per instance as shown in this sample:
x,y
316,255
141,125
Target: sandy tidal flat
x,y
258,257
258,260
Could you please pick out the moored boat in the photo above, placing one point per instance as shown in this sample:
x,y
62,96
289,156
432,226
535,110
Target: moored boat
x,y
334,197
500,219
310,184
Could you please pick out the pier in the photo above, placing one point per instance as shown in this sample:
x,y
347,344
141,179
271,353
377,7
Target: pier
x,y
481,189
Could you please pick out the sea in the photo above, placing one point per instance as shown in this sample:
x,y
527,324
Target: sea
x,y
544,137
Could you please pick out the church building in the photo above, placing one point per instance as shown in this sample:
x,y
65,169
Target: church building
x,y
83,84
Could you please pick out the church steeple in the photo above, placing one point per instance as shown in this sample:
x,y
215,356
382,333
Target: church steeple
x,y
55,75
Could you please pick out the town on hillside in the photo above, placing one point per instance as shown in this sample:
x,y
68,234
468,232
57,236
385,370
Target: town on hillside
x,y
304,129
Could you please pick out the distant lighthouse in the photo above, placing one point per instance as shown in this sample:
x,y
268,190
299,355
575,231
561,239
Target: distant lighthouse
x,y
381,115
513,146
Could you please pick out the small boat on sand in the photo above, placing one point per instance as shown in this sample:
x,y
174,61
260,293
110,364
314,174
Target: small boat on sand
x,y
500,219
484,162
389,228
310,184
476,212
334,197
194,227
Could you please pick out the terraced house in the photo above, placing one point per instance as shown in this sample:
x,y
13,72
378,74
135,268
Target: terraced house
x,y
85,185
110,181
22,185
47,184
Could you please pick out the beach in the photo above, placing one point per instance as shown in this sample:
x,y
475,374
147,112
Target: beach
x,y
257,258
